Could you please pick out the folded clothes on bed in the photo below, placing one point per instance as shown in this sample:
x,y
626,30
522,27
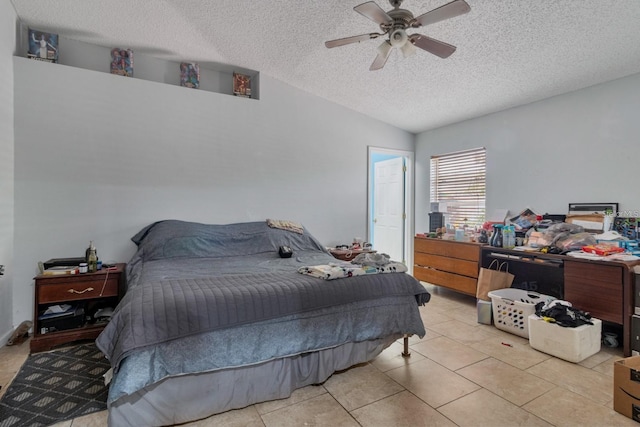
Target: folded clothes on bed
x,y
372,259
296,227
333,271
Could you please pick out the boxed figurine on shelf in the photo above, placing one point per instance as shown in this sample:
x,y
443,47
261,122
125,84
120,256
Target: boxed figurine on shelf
x,y
43,46
122,62
190,75
242,85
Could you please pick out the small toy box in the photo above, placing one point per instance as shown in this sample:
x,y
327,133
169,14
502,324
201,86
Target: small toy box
x,y
511,308
570,344
603,249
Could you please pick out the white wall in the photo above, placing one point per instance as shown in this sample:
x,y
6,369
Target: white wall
x,y
8,21
578,147
100,156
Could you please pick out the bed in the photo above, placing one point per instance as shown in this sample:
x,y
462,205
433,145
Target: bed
x,y
214,319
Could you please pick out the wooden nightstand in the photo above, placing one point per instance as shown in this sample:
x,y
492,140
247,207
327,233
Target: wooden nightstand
x,y
87,290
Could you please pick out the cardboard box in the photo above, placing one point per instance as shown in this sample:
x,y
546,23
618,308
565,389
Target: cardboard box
x,y
570,344
626,387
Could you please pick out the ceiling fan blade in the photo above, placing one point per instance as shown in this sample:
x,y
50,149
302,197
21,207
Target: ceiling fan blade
x,y
352,39
384,50
449,10
438,48
374,12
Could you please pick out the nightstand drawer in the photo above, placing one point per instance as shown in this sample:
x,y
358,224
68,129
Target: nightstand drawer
x,y
78,289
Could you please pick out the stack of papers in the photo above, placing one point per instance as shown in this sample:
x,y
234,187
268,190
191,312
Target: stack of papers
x,y
59,310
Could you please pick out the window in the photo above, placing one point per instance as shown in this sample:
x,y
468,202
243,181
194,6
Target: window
x,y
459,179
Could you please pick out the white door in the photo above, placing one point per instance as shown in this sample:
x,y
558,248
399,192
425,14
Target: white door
x,y
388,208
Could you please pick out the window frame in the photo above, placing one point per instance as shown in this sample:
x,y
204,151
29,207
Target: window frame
x,y
452,177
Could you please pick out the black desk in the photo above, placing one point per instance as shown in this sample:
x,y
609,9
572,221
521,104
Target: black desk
x,y
603,288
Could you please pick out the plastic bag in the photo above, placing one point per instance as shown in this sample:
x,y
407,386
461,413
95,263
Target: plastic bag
x,y
565,226
538,239
575,242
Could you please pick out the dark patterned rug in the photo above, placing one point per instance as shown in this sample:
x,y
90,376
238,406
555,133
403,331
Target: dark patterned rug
x,y
56,386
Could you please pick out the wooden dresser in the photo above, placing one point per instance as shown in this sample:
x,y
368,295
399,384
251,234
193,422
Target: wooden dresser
x,y
447,263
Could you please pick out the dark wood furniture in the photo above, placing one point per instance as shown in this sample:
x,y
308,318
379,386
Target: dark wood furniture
x,y
605,289
102,287
447,263
349,254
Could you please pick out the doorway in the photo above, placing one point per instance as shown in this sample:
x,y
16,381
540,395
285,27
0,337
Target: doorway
x,y
390,207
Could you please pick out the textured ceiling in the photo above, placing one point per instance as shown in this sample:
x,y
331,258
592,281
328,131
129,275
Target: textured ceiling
x,y
510,52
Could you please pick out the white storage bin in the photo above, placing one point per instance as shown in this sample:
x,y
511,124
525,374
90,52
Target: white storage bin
x,y
571,344
512,307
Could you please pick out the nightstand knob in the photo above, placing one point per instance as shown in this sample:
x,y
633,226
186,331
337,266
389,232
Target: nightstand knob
x,y
73,291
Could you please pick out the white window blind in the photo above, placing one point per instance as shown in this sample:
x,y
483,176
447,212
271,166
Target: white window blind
x,y
459,179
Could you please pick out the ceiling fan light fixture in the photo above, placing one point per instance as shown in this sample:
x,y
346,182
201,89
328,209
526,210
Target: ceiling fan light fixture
x,y
408,49
398,38
384,48
394,24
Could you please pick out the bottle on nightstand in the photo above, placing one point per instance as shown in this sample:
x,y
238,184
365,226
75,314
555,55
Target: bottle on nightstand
x,y
92,258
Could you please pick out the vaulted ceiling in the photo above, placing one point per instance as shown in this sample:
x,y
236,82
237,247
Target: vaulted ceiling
x,y
509,52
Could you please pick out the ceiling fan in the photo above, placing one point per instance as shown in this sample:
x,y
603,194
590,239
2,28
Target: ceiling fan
x,y
396,22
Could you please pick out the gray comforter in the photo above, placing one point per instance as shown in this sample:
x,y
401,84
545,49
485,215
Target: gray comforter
x,y
188,279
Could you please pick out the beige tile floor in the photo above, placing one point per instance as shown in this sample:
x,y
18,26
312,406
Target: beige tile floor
x,y
459,374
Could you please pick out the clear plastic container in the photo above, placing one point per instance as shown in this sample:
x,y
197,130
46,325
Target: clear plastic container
x,y
509,237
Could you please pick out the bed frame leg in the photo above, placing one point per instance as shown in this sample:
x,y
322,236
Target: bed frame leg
x,y
406,352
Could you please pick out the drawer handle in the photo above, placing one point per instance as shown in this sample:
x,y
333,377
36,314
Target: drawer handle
x,y
73,291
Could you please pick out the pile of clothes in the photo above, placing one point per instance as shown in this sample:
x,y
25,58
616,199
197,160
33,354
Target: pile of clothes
x,y
563,314
365,263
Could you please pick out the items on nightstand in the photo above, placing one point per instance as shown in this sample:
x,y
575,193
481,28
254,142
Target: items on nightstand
x,y
92,258
61,317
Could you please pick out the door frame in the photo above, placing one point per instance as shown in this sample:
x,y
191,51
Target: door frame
x,y
409,224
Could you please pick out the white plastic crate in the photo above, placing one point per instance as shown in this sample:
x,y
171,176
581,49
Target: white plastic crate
x,y
511,309
571,344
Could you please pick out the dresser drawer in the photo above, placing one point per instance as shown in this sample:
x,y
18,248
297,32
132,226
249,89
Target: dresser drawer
x,y
445,248
451,265
456,282
61,290
593,272
595,288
